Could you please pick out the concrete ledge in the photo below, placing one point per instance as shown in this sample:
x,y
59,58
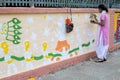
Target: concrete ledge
x,y
17,10
50,68
11,10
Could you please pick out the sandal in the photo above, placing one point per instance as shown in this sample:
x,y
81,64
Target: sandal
x,y
100,60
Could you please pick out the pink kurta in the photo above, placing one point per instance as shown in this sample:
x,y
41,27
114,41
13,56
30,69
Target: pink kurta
x,y
104,29
102,44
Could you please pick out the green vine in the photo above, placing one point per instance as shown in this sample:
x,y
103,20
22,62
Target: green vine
x,y
38,57
17,58
54,55
2,59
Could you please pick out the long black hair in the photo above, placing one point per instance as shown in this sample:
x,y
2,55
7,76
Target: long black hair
x,y
103,7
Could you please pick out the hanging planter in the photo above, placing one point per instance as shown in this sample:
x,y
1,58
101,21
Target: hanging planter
x,y
69,28
69,25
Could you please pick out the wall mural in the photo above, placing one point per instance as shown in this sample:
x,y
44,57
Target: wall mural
x,y
116,27
37,40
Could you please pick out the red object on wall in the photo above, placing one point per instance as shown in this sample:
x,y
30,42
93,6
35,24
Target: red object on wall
x,y
118,28
68,21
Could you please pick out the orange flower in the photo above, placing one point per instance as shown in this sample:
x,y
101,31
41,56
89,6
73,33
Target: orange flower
x,y
61,45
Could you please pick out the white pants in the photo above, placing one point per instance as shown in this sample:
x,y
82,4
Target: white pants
x,y
101,49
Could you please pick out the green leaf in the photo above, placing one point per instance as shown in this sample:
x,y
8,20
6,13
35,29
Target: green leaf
x,y
16,37
39,57
86,44
15,42
2,59
73,50
17,58
93,41
17,27
16,32
16,21
54,55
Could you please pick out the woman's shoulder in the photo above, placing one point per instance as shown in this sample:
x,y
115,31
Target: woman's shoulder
x,y
104,15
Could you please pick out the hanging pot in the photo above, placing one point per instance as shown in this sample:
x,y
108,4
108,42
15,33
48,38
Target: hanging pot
x,y
69,27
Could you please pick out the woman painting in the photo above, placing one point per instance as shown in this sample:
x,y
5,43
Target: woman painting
x,y
102,42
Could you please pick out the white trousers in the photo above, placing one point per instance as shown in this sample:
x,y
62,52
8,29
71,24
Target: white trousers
x,y
101,49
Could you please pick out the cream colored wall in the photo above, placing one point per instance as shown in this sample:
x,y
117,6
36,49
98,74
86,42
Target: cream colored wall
x,y
49,29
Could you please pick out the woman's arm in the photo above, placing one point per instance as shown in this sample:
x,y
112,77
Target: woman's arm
x,y
102,23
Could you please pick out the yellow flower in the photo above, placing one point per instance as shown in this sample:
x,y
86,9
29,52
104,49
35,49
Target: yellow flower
x,y
6,50
5,47
31,79
45,17
4,26
28,60
10,61
44,46
27,45
48,57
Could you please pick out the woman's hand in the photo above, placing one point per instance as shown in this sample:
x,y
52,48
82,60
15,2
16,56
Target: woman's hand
x,y
96,22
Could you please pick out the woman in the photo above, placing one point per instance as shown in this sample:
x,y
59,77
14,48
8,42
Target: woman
x,y
102,42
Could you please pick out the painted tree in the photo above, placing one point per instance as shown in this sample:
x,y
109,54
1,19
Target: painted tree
x,y
13,31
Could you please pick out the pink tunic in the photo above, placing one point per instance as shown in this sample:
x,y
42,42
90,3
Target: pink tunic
x,y
104,29
102,45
